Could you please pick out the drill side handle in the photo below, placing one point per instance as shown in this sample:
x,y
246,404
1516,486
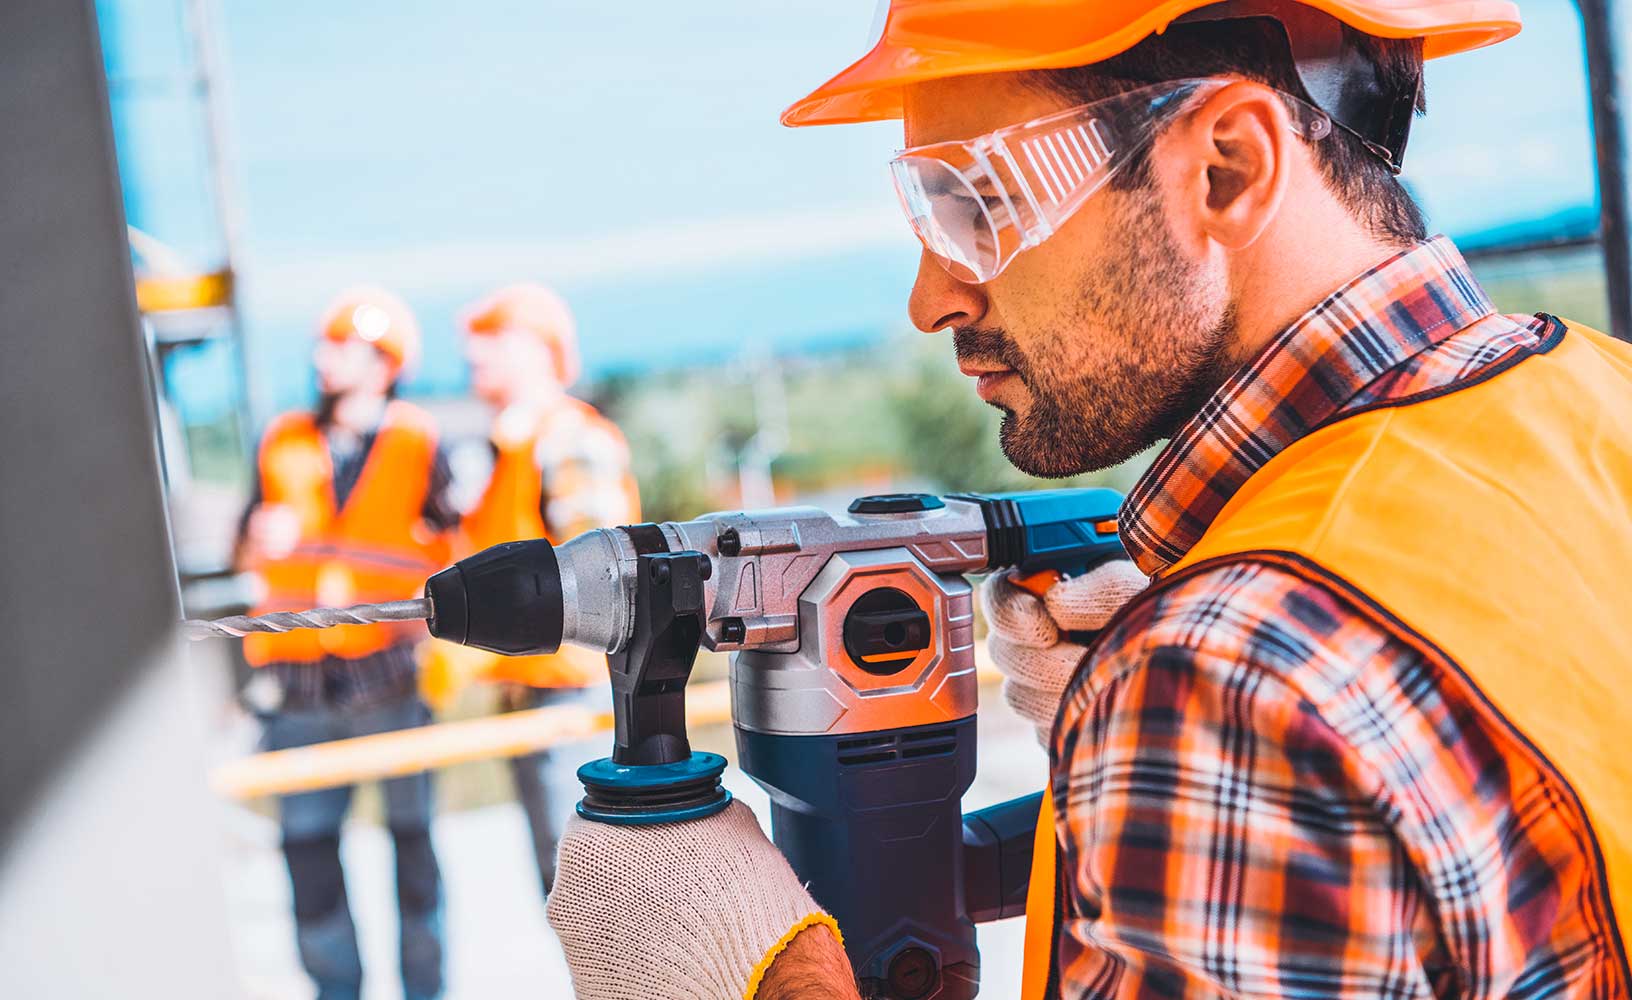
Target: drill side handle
x,y
649,674
653,776
997,848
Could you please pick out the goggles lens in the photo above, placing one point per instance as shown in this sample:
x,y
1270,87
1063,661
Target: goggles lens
x,y
976,204
948,214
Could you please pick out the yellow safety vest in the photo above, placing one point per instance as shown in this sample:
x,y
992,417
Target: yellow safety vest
x,y
1489,527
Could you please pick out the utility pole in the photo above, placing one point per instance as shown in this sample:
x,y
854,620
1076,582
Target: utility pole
x,y
1607,80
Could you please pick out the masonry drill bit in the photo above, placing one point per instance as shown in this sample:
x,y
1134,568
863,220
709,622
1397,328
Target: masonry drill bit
x,y
286,621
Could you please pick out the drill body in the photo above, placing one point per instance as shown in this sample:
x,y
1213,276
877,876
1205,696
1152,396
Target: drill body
x,y
853,691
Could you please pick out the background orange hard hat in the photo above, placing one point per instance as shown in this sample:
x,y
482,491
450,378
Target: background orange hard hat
x,y
373,314
538,310
935,39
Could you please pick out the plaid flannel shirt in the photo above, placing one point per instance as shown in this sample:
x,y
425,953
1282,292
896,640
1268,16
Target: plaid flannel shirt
x,y
1231,762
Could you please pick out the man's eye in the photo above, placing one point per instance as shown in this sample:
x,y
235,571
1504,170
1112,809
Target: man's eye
x,y
975,212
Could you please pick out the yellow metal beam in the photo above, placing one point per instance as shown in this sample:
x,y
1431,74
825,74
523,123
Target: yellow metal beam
x,y
173,293
408,751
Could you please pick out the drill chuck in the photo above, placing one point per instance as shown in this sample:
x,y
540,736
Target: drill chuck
x,y
506,599
530,597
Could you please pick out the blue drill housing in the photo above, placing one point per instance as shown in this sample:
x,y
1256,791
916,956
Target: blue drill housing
x,y
874,823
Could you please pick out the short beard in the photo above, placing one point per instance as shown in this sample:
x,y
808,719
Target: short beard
x,y
1174,352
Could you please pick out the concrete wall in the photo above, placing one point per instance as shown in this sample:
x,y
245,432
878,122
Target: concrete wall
x,y
107,880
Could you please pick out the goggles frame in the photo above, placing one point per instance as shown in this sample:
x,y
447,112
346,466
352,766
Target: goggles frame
x,y
1337,77
1016,185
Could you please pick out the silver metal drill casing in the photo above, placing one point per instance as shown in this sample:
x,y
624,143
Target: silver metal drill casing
x,y
783,582
819,690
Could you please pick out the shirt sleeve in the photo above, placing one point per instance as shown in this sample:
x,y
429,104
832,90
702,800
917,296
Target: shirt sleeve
x,y
1221,839
587,480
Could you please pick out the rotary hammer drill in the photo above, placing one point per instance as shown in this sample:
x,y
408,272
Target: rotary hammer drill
x,y
853,692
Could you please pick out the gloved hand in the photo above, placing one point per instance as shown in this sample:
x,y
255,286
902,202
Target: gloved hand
x,y
1027,641
683,911
272,532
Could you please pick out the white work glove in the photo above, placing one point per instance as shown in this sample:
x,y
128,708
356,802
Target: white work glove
x,y
678,911
1026,640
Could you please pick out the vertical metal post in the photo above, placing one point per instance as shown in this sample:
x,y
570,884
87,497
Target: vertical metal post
x,y
202,27
1607,79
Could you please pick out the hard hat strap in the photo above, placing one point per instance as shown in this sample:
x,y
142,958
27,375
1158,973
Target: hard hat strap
x,y
1337,77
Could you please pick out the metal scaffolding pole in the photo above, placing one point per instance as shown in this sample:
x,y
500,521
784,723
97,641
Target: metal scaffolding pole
x,y
202,28
1607,80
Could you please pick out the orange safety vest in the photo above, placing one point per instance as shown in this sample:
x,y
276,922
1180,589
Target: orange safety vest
x,y
510,509
375,548
1432,516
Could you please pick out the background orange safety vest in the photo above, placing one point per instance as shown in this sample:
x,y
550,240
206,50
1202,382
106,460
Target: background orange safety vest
x,y
375,548
1491,529
511,509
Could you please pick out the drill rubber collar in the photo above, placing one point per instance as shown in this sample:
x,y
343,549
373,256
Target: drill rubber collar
x,y
645,794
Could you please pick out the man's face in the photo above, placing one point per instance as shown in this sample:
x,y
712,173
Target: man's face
x,y
1100,341
508,364
489,377
349,365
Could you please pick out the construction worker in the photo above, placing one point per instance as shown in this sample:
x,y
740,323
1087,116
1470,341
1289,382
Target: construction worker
x,y
349,505
1361,734
559,468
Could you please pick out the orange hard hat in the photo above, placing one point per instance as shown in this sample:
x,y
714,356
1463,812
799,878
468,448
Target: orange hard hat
x,y
935,39
373,314
539,311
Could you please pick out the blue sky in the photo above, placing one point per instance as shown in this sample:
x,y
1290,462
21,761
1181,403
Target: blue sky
x,y
629,153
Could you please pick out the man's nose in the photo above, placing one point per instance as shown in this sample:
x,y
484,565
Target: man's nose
x,y
939,300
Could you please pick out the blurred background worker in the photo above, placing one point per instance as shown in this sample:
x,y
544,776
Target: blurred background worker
x,y
559,468
350,504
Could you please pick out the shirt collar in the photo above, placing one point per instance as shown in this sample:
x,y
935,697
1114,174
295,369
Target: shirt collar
x,y
1305,376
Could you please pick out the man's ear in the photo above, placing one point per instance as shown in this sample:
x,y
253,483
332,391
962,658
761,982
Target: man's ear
x,y
1241,141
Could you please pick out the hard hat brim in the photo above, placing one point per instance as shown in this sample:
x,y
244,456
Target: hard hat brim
x,y
934,41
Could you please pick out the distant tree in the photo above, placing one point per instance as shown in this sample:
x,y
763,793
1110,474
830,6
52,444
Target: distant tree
x,y
897,407
946,434
949,436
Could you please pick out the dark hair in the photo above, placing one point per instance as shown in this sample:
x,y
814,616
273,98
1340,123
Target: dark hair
x,y
1256,48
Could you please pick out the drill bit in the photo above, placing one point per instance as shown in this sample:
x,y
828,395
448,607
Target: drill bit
x,y
286,621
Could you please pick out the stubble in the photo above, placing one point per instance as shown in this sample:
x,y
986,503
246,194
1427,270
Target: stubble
x,y
1165,332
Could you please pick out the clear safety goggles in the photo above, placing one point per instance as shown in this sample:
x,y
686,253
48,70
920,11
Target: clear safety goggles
x,y
975,204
